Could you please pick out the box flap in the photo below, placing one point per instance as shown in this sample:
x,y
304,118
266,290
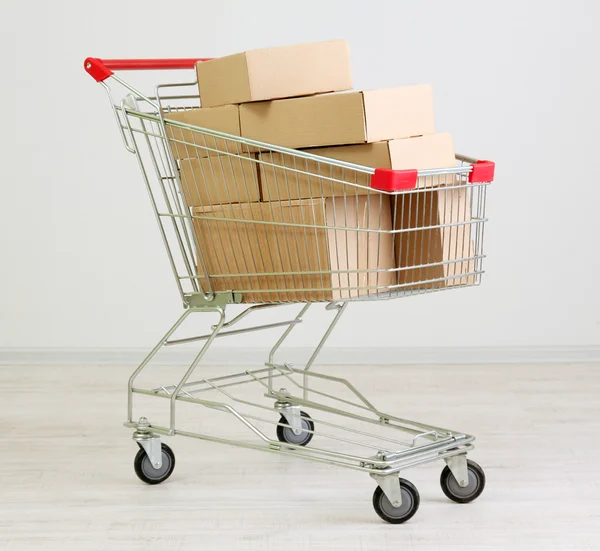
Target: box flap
x,y
422,153
219,179
223,80
225,118
299,70
189,143
374,155
327,119
400,112
288,183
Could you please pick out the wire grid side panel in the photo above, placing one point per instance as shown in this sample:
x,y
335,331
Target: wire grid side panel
x,y
436,240
297,251
312,242
168,203
278,227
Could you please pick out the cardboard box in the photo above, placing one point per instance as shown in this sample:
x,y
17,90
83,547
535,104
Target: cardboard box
x,y
237,247
223,119
270,73
278,184
340,119
219,179
434,245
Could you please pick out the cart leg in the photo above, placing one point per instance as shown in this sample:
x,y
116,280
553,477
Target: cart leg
x,y
147,360
280,342
341,308
458,467
216,328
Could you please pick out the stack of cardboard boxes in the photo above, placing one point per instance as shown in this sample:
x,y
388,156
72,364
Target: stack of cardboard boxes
x,y
291,97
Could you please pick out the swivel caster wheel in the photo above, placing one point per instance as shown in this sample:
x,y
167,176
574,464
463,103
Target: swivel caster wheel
x,y
406,510
471,491
297,437
146,471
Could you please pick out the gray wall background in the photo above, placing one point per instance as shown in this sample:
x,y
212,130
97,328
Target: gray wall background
x,y
517,82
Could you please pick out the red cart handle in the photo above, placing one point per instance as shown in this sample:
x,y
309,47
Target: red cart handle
x,y
100,69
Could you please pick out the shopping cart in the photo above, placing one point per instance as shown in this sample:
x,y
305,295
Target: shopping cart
x,y
331,232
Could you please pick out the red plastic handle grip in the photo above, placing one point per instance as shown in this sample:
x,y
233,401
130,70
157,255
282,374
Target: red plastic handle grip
x,y
101,69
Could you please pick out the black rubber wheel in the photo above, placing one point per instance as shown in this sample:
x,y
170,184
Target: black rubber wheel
x,y
147,473
397,515
470,492
287,434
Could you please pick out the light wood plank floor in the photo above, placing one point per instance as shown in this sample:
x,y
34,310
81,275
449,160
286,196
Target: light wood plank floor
x,y
67,481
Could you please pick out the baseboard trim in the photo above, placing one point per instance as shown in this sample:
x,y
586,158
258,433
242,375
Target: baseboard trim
x,y
329,356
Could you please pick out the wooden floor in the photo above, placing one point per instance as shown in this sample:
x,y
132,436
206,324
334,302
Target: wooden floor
x,y
67,481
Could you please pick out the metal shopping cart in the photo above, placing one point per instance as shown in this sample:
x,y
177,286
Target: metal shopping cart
x,y
332,232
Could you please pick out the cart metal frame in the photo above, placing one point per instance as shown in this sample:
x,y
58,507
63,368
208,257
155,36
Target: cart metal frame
x,y
151,137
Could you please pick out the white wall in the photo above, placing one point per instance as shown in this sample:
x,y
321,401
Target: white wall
x,y
82,264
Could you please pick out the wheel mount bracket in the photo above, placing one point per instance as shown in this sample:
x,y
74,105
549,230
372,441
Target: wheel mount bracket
x,y
458,467
292,415
390,485
150,442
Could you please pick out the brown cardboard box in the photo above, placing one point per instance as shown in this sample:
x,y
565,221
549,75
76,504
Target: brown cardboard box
x,y
435,245
279,184
219,179
271,73
237,247
339,119
223,119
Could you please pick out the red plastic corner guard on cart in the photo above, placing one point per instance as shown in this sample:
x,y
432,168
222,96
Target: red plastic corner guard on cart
x,y
386,179
483,171
101,69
